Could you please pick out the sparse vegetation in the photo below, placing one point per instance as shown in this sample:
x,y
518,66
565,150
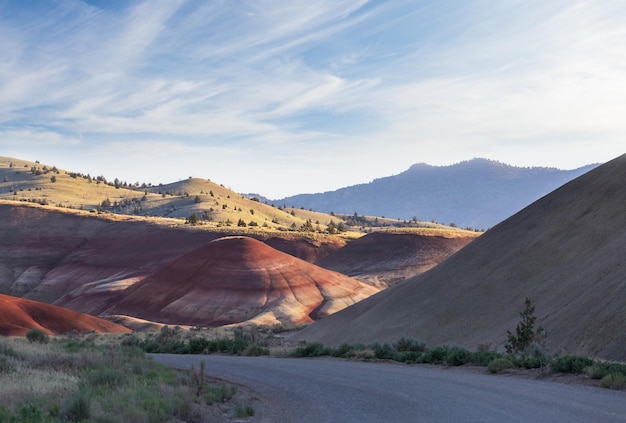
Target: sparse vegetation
x,y
75,379
526,337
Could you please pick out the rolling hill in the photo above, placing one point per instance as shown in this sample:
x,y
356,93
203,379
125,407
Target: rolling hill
x,y
478,193
18,316
565,252
235,280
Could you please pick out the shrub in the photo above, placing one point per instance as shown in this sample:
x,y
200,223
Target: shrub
x,y
525,333
108,377
601,369
570,364
499,364
313,349
255,350
344,351
436,355
385,352
244,410
36,335
78,407
458,356
407,344
613,381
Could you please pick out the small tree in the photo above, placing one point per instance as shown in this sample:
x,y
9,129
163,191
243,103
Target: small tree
x,y
525,333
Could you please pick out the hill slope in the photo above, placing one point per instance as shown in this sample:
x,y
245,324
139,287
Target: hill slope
x,y
46,253
478,193
565,252
239,279
18,316
384,258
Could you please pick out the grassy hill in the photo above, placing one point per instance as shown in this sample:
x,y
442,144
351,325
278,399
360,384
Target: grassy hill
x,y
200,201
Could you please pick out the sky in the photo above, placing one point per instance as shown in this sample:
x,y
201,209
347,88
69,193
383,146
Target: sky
x,y
286,97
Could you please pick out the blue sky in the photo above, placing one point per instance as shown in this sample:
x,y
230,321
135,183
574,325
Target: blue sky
x,y
286,97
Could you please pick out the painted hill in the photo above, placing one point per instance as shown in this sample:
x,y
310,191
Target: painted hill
x,y
240,279
565,252
478,193
18,316
47,253
384,258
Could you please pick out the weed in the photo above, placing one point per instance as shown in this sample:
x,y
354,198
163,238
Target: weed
x,y
407,344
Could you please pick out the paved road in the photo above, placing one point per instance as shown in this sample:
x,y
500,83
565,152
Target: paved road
x,y
326,390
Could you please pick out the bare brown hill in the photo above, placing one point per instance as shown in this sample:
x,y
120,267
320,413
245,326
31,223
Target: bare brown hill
x,y
47,253
240,279
565,252
18,316
384,258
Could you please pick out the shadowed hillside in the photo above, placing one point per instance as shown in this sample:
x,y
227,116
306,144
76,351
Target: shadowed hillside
x,y
565,252
239,279
478,193
384,258
18,316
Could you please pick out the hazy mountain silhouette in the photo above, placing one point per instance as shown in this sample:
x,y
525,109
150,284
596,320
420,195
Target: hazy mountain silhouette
x,y
478,193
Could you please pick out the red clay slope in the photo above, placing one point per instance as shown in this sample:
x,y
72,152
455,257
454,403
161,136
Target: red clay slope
x,y
18,316
566,252
239,279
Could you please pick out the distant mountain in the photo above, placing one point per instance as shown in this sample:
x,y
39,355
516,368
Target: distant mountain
x,y
565,252
478,193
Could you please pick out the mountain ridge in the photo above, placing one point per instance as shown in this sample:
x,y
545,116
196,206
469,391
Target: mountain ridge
x,y
475,193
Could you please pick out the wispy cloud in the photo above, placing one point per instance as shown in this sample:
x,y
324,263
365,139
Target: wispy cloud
x,y
269,84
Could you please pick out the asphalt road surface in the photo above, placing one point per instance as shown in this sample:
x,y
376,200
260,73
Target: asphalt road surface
x,y
327,390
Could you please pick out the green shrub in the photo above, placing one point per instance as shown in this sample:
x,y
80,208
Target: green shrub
x,y
601,369
313,349
219,393
458,356
436,355
499,364
570,364
255,350
613,381
483,358
344,351
36,335
6,365
385,352
244,410
78,407
407,344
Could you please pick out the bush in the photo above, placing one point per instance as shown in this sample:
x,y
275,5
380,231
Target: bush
x,y
499,364
344,351
385,352
314,349
255,350
407,344
436,355
244,410
613,381
570,364
78,407
601,369
36,335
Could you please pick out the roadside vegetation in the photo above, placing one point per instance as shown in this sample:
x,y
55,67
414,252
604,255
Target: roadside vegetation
x,y
92,378
523,351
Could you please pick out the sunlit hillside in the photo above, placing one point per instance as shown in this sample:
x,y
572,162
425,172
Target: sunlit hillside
x,y
200,202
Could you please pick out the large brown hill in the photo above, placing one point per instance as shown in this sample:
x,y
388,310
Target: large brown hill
x,y
18,316
239,279
566,252
384,258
